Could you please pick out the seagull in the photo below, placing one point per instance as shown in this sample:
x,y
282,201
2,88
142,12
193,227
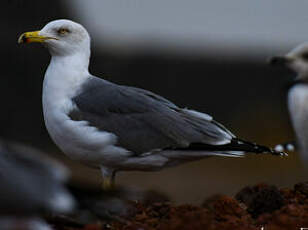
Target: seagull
x,y
31,182
297,61
31,185
118,128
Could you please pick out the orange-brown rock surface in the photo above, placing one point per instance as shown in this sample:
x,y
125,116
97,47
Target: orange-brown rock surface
x,y
260,207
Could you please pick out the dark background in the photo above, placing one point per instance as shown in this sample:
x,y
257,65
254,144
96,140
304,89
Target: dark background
x,y
245,95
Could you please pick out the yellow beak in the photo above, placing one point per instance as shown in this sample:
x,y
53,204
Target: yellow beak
x,y
34,36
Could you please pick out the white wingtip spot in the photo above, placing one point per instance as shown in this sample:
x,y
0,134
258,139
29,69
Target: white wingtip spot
x,y
279,148
290,147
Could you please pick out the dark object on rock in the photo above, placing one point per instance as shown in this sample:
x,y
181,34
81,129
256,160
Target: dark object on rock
x,y
302,188
261,199
118,204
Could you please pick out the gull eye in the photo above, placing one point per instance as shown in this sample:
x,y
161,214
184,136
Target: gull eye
x,y
63,31
305,56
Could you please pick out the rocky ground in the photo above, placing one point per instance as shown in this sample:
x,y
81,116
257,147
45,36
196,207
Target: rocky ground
x,y
259,207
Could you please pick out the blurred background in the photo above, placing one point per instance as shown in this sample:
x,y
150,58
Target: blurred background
x,y
202,54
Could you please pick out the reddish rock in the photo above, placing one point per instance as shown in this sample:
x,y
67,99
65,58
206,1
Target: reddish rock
x,y
257,206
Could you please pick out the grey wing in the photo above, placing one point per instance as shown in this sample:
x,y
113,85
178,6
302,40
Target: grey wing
x,y
142,120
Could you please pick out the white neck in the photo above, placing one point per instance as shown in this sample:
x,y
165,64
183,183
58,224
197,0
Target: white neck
x,y
63,78
78,62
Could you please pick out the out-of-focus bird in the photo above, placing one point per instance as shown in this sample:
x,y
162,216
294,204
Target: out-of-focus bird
x,y
18,223
115,127
31,184
297,61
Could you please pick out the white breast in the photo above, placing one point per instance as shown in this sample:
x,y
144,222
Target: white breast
x,y
75,138
298,108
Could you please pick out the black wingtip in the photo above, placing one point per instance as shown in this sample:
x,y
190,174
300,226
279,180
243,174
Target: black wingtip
x,y
255,148
278,153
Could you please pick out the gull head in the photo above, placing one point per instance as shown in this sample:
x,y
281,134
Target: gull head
x,y
296,60
62,37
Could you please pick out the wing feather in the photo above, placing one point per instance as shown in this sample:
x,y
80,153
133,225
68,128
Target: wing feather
x,y
142,120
